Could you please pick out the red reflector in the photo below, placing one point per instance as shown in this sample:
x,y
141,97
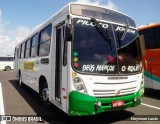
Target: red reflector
x,y
63,89
117,103
64,97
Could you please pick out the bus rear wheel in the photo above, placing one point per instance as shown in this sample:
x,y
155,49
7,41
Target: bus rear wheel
x,y
20,81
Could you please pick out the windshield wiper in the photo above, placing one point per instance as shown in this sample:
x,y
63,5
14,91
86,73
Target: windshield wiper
x,y
104,33
124,33
121,36
119,39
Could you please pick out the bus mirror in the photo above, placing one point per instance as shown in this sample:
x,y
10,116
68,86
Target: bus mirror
x,y
68,32
67,37
142,44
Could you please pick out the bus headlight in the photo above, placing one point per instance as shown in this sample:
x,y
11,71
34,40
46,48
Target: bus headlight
x,y
79,85
142,81
77,80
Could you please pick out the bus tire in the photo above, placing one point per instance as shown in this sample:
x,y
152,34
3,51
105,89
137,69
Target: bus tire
x,y
20,81
44,95
7,68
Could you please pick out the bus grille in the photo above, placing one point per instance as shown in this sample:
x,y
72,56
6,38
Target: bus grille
x,y
107,93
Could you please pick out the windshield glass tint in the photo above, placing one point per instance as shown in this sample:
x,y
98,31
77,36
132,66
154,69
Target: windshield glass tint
x,y
129,53
130,35
101,13
91,52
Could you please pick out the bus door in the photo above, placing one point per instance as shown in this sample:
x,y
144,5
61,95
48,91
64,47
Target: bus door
x,y
60,70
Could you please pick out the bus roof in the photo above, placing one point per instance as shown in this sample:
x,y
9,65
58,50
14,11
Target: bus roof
x,y
64,9
149,26
100,7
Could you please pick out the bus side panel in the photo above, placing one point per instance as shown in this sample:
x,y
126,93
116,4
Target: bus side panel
x,y
148,78
30,75
152,72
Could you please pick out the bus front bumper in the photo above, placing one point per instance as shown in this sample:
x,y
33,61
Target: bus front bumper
x,y
82,104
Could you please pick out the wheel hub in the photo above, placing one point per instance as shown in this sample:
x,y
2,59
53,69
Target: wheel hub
x,y
45,94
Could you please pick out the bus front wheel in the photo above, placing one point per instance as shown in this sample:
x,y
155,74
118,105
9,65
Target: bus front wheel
x,y
44,95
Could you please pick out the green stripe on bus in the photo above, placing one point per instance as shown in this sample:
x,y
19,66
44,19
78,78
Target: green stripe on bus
x,y
151,76
82,104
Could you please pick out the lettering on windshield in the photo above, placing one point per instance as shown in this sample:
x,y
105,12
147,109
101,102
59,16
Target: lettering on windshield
x,y
109,68
92,68
89,23
119,28
130,68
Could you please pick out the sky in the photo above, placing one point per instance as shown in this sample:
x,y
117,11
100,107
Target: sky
x,y
18,18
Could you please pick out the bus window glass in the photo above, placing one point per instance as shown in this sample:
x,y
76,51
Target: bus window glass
x,y
156,37
148,36
22,51
27,51
6,58
45,39
16,52
94,54
129,54
91,52
19,51
130,35
34,46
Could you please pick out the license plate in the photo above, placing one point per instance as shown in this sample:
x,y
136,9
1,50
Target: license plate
x,y
117,103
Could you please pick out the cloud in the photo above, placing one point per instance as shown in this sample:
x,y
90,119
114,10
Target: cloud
x,y
1,25
21,32
6,45
10,38
102,3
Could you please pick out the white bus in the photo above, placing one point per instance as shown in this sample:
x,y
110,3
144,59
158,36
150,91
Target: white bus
x,y
6,63
85,60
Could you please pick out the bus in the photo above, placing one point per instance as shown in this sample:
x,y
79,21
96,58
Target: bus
x,y
85,60
152,59
6,63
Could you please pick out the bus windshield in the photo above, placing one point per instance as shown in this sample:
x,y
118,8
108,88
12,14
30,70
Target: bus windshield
x,y
92,53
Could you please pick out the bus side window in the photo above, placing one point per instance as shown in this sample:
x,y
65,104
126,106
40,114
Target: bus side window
x,y
19,51
27,48
15,52
148,36
34,45
22,50
156,37
45,41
